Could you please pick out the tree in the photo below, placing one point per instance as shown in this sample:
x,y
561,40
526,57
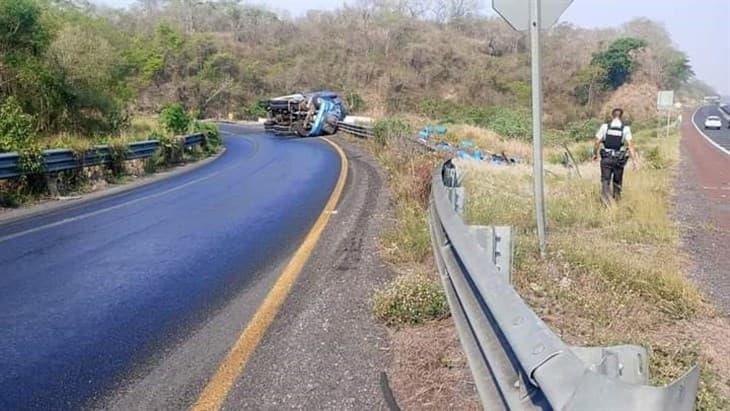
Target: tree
x,y
677,71
16,127
21,30
617,60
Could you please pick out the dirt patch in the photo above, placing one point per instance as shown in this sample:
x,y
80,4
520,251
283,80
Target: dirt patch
x,y
429,370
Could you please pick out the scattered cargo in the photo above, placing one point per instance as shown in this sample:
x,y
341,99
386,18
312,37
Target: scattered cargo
x,y
432,136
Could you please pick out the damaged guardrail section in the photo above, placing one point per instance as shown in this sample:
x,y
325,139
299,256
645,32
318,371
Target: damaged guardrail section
x,y
517,362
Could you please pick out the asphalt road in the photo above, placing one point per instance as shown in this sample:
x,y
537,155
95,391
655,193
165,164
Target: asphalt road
x,y
94,297
720,137
703,210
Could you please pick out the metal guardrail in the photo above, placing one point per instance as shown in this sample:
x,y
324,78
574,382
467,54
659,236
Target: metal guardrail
x,y
356,130
517,362
58,160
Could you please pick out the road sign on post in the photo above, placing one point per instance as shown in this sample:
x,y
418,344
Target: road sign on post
x,y
665,102
517,12
534,15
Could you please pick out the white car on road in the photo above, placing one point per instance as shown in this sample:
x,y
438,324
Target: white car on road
x,y
713,122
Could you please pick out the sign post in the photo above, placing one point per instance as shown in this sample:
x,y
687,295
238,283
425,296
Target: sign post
x,y
533,15
665,101
538,173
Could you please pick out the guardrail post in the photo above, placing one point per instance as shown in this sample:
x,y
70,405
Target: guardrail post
x,y
52,184
497,244
457,197
204,142
503,251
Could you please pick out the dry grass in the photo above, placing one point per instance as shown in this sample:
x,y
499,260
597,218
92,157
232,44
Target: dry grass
x,y
489,140
430,370
492,142
612,275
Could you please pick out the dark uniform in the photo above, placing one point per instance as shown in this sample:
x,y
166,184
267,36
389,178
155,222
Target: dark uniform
x,y
614,153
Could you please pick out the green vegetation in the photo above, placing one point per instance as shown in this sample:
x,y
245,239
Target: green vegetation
x,y
617,62
174,119
90,72
16,127
410,299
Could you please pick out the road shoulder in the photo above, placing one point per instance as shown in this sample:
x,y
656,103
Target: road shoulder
x,y
324,349
703,211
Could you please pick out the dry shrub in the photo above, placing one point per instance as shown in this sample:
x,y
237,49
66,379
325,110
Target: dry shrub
x,y
410,299
637,100
409,173
408,241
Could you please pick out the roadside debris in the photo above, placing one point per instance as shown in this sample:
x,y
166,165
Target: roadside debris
x,y
433,136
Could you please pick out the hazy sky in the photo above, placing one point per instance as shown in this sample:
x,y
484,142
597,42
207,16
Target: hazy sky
x,y
701,28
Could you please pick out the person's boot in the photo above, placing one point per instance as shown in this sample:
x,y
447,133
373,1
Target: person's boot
x,y
606,193
616,192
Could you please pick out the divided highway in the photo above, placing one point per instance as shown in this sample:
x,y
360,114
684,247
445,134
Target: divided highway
x,y
93,296
720,138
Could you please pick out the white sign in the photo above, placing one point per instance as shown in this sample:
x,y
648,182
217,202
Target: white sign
x,y
517,12
665,100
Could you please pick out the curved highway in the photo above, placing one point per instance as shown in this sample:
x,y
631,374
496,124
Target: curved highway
x,y
95,292
720,138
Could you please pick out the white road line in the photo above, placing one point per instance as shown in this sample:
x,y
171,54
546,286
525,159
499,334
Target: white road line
x,y
105,210
719,147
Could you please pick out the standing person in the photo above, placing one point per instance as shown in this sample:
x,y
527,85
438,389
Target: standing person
x,y
613,143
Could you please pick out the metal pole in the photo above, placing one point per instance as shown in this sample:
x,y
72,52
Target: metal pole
x,y
537,122
669,113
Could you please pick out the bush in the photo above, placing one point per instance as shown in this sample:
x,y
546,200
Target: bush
x,y
213,134
509,123
16,127
254,110
389,130
171,151
410,299
355,102
582,130
174,119
655,159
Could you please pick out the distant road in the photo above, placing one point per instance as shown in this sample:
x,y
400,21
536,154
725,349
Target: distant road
x,y
702,199
720,138
98,294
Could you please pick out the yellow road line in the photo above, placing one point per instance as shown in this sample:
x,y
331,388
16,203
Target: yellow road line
x,y
220,384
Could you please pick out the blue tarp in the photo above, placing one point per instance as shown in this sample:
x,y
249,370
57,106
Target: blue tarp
x,y
464,149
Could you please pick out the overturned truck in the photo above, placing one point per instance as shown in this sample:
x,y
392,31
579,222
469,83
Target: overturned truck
x,y
305,115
